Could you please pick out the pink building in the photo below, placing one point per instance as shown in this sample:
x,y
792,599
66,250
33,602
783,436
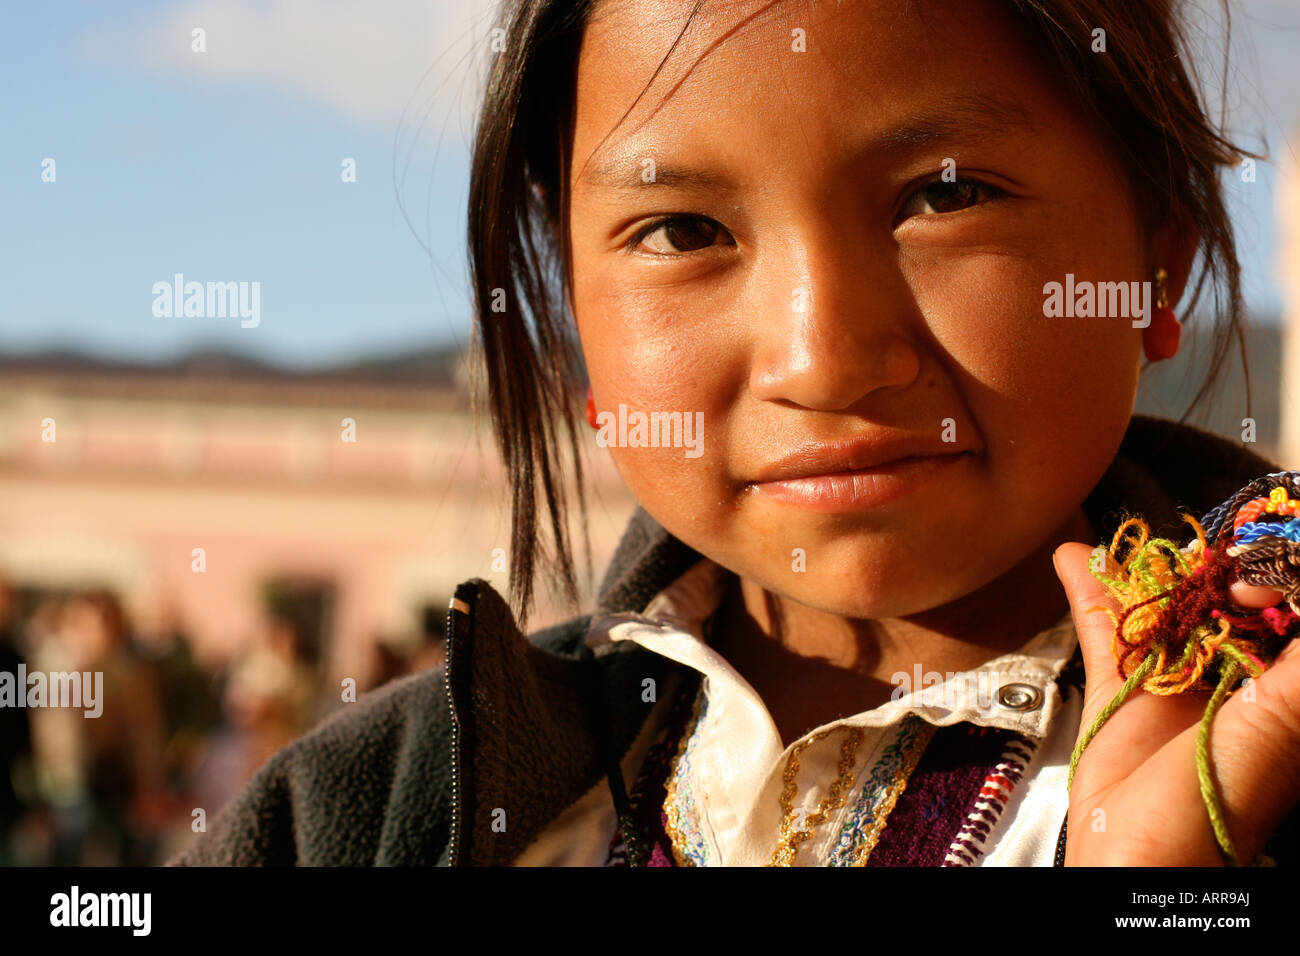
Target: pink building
x,y
366,497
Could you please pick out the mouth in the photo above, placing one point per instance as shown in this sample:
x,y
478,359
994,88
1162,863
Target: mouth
x,y
862,488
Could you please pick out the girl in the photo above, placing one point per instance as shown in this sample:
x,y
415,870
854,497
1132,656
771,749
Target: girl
x,y
850,622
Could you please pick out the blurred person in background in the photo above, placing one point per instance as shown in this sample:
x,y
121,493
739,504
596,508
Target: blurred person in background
x,y
394,656
191,695
15,729
125,774
191,708
390,658
270,698
433,646
59,773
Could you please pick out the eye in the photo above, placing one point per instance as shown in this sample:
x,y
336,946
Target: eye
x,y
939,197
678,235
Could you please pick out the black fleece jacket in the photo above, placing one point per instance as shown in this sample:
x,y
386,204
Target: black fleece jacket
x,y
411,774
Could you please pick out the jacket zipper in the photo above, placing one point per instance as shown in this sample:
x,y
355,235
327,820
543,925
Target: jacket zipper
x,y
1059,859
454,650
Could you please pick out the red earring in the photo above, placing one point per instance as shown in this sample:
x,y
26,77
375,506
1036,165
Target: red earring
x,y
1160,339
591,408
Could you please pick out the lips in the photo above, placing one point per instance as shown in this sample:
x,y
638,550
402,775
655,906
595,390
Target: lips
x,y
855,455
860,476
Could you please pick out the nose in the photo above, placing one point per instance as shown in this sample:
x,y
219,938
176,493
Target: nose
x,y
833,324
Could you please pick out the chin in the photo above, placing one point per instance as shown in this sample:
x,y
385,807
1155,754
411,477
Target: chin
x,y
872,597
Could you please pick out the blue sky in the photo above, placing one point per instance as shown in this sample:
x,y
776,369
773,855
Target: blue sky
x,y
226,166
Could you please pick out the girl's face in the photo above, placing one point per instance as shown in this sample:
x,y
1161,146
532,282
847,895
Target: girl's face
x,y
821,282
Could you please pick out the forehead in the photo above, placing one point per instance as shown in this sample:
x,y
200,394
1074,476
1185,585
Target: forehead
x,y
794,75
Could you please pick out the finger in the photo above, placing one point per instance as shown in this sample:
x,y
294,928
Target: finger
x,y
1252,595
1089,604
1253,743
1144,723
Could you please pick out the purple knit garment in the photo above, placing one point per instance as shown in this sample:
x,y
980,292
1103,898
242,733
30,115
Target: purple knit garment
x,y
957,789
944,795
955,797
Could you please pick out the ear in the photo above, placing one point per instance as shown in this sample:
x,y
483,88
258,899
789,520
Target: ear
x,y
1174,247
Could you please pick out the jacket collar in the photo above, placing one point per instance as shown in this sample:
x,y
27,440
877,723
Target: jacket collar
x,y
537,721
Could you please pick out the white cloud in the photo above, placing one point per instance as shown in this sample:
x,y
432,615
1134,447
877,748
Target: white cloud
x,y
366,60
1264,83
1274,29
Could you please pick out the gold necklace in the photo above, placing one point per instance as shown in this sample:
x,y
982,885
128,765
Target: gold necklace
x,y
787,846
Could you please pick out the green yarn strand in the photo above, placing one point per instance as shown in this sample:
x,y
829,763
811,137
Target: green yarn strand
x,y
1209,793
1125,692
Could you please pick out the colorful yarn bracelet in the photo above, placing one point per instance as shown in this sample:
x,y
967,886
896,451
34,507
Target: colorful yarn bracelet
x,y
1179,630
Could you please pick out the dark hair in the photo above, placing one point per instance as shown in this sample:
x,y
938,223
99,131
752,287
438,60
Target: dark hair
x,y
106,604
1141,91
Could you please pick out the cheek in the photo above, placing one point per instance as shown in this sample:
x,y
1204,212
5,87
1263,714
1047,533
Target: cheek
x,y
991,325
1019,369
654,351
651,349
1051,397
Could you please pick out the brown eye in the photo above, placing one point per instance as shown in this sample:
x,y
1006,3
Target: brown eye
x,y
675,236
939,197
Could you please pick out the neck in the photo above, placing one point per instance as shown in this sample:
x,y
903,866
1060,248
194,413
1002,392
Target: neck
x,y
811,667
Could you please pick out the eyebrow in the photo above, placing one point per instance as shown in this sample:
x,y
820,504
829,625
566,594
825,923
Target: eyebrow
x,y
967,115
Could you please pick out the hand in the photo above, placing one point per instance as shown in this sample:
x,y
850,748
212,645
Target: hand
x,y
1136,799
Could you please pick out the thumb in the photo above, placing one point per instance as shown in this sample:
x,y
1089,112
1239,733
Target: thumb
x,y
1255,596
1148,722
1089,603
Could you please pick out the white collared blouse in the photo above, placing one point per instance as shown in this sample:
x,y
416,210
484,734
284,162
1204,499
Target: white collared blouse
x,y
963,769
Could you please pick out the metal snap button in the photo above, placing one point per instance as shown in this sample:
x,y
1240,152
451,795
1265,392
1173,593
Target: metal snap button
x,y
1019,696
